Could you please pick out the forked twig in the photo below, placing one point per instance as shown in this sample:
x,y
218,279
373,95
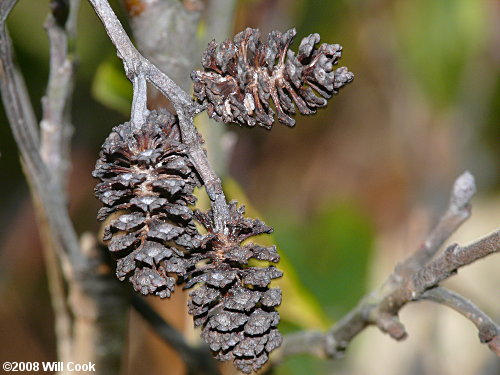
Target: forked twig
x,y
414,279
135,65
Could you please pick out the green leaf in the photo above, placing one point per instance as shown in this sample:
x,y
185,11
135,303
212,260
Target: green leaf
x,y
111,87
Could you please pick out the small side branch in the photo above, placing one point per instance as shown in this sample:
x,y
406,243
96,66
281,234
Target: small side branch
x,y
14,93
489,331
55,125
451,260
139,101
416,278
197,359
457,213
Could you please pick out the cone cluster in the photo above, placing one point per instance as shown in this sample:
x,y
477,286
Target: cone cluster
x,y
146,187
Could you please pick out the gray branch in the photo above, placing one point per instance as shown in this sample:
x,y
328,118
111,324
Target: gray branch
x,y
25,130
458,212
454,257
55,125
56,133
414,279
45,165
186,108
489,331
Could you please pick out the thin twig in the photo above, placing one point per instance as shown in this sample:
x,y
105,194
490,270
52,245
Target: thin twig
x,y
458,212
139,101
55,125
489,331
454,257
134,63
197,359
5,9
14,93
56,133
396,291
185,107
409,282
25,130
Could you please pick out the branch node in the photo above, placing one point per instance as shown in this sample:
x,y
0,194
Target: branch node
x,y
463,191
488,333
391,325
334,349
449,253
494,345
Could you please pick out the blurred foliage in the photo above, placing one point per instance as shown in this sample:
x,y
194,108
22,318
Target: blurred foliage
x,y
111,87
491,135
301,364
437,38
322,17
330,252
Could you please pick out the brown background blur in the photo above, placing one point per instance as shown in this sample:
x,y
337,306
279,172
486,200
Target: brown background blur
x,y
349,191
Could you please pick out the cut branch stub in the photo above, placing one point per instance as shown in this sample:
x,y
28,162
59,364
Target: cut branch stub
x,y
233,302
243,75
147,181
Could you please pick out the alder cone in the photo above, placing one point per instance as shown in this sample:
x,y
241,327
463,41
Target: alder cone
x,y
232,300
240,77
146,182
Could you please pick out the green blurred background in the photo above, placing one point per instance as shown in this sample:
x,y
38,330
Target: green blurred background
x,y
349,191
